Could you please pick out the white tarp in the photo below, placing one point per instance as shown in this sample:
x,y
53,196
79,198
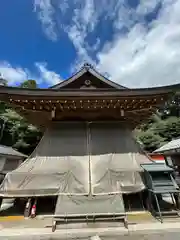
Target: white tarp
x,y
73,206
77,159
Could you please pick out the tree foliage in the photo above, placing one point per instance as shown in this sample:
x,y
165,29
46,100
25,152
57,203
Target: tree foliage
x,y
162,127
3,82
150,140
15,130
31,84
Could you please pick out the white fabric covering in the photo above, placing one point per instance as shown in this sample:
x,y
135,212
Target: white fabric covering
x,y
79,159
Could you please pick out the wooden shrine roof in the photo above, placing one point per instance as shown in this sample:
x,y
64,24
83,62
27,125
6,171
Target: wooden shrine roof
x,y
87,72
88,96
123,93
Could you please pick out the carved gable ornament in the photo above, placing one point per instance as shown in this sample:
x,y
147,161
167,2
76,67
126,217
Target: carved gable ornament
x,y
87,85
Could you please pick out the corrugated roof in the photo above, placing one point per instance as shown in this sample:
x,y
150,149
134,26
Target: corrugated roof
x,y
172,145
156,167
5,150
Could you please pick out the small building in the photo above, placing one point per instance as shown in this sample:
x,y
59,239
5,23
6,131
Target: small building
x,y
171,152
10,159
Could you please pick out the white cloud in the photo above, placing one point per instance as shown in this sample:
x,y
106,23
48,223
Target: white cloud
x,y
50,77
45,14
144,55
16,75
13,74
84,17
147,6
83,22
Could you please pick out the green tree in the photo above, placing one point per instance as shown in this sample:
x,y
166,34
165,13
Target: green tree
x,y
150,141
15,130
3,82
168,128
29,84
172,107
158,131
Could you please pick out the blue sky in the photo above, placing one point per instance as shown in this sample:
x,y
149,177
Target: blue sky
x,y
136,42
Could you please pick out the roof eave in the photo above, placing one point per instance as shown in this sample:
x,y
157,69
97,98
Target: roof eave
x,y
89,93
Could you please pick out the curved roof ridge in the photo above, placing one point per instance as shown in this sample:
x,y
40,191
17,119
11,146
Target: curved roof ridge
x,y
87,68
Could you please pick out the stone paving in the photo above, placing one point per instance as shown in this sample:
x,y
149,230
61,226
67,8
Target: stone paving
x,y
27,223
38,229
42,221
148,236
